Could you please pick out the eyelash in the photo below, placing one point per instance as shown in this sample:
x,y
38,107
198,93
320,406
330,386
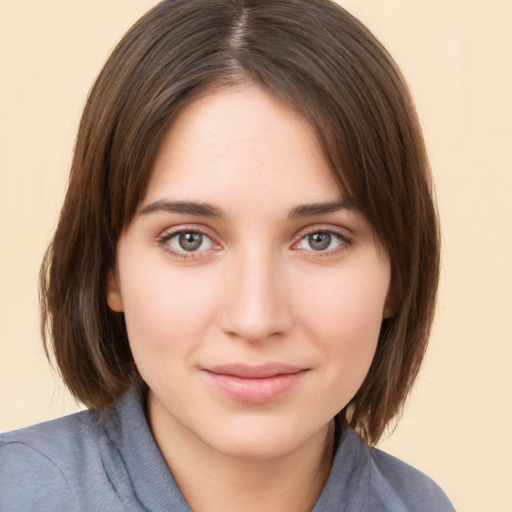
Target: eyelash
x,y
344,241
163,241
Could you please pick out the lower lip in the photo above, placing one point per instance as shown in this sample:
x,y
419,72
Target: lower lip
x,y
255,391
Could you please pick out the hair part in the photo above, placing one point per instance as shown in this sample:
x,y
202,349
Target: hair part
x,y
328,67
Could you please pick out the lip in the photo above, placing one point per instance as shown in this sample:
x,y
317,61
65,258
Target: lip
x,y
255,384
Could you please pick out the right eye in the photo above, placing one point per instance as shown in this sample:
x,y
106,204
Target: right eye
x,y
187,241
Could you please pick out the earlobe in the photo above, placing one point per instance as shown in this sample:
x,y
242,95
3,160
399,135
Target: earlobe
x,y
387,314
114,300
389,310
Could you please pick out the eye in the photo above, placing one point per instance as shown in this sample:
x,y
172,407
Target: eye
x,y
188,241
321,241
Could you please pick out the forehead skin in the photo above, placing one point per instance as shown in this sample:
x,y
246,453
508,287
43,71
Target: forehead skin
x,y
198,140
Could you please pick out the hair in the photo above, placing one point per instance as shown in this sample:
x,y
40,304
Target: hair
x,y
324,64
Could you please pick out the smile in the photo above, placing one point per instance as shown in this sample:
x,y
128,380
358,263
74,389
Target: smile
x,y
255,384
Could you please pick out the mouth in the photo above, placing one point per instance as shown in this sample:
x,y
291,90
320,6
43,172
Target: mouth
x,y
255,384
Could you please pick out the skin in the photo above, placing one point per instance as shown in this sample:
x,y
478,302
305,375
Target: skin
x,y
261,287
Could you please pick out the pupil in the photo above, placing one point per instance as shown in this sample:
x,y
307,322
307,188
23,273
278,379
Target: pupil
x,y
319,241
190,241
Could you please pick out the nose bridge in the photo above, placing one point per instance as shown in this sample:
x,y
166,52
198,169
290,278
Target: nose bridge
x,y
257,307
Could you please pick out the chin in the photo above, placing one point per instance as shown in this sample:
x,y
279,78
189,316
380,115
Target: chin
x,y
259,439
262,447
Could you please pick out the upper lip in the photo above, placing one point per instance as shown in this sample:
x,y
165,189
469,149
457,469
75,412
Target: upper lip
x,y
261,371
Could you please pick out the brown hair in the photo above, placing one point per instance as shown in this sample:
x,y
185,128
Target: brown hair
x,y
326,65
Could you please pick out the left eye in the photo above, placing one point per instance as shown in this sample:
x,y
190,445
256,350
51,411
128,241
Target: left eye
x,y
320,241
189,241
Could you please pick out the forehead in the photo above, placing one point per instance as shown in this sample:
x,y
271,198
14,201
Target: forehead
x,y
241,142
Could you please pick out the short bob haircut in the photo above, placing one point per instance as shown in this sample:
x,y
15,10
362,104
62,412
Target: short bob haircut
x,y
329,68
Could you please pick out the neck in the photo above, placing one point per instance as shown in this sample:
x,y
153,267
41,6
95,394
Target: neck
x,y
211,481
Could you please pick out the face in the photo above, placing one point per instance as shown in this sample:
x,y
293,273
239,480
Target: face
x,y
253,295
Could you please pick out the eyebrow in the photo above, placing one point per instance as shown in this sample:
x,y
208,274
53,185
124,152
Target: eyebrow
x,y
186,207
310,210
208,210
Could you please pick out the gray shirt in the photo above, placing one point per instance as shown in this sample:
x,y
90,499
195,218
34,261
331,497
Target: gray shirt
x,y
108,461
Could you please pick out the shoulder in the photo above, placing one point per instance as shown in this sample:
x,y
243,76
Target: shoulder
x,y
55,433
407,484
43,467
57,441
32,465
366,478
394,481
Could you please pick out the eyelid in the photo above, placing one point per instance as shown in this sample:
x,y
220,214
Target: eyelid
x,y
341,231
335,231
170,233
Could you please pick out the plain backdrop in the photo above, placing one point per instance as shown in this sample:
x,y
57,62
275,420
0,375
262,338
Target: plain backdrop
x,y
457,426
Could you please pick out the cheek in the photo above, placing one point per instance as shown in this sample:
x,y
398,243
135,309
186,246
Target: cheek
x,y
349,301
344,316
167,310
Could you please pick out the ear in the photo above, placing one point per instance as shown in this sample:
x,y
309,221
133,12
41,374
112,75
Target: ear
x,y
390,306
114,300
387,313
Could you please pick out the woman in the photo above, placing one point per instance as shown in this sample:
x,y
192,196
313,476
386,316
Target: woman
x,y
243,275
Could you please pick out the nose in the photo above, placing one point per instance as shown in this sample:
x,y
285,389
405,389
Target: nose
x,y
257,307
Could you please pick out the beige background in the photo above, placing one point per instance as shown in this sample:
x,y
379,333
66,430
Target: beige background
x,y
456,55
